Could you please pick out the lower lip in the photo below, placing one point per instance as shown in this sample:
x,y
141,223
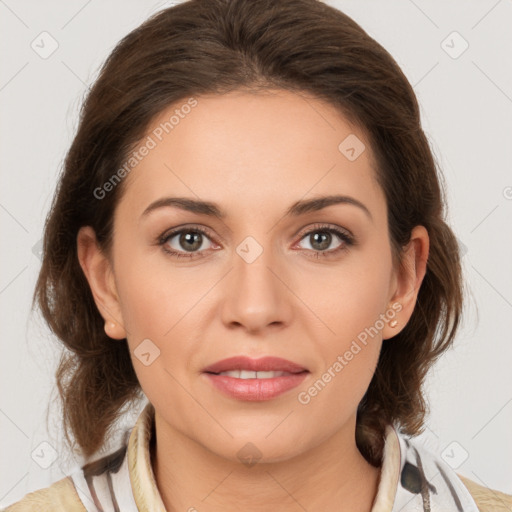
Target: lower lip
x,y
255,389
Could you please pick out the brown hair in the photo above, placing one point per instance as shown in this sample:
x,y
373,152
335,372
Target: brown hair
x,y
215,46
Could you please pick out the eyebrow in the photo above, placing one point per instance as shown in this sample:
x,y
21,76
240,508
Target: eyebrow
x,y
298,208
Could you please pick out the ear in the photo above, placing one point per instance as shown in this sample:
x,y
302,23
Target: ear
x,y
407,281
98,271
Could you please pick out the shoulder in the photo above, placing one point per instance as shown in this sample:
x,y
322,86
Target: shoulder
x,y
61,496
105,483
95,479
422,480
487,500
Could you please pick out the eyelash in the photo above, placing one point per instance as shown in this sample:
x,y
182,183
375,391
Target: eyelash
x,y
344,236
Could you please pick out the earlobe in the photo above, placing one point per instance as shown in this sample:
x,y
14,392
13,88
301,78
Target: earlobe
x,y
394,323
114,330
408,280
98,272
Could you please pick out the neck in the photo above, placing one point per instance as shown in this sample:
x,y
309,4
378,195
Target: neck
x,y
333,475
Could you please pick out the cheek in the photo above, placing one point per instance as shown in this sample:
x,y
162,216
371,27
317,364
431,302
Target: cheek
x,y
154,294
159,303
351,304
352,299
350,351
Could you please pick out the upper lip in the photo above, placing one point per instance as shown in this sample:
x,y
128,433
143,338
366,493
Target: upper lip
x,y
263,364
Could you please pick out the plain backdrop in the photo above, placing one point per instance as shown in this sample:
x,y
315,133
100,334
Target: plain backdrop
x,y
457,56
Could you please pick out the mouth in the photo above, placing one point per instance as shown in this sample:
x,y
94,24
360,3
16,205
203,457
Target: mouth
x,y
247,366
249,379
248,374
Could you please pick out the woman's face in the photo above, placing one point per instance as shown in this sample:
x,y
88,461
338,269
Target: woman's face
x,y
265,278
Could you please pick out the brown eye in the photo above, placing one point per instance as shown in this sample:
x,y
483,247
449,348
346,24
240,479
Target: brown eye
x,y
186,242
190,240
326,240
320,240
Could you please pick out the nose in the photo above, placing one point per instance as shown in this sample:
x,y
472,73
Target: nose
x,y
255,293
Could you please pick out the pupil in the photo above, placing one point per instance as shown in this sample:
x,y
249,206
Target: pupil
x,y
324,244
193,240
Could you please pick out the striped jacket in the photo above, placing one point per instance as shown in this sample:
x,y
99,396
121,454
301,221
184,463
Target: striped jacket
x,y
412,479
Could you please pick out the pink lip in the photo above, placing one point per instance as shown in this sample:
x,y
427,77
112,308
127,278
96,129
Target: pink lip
x,y
255,389
264,364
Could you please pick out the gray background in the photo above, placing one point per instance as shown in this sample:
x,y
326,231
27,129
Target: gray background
x,y
466,103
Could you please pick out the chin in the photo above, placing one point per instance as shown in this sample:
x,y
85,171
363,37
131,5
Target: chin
x,y
252,450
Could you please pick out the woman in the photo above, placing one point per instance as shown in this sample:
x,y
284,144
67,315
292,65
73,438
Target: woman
x,y
249,232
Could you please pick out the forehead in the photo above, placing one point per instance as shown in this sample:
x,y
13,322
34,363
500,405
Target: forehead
x,y
252,150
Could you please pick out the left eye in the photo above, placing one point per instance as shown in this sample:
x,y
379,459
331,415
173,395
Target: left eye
x,y
188,240
321,239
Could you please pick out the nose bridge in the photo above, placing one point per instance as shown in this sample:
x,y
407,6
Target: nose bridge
x,y
251,267
256,297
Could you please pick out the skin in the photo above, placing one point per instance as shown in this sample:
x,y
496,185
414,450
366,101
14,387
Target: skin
x,y
254,155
